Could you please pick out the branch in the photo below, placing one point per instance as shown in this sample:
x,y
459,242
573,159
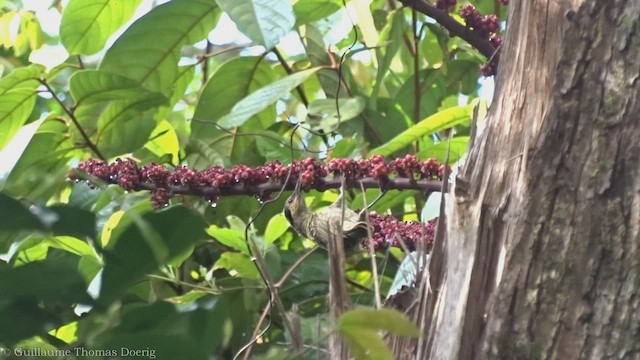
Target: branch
x,y
75,121
261,189
448,22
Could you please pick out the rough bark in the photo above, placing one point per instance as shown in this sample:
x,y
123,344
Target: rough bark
x,y
542,257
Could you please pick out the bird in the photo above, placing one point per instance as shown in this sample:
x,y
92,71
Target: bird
x,y
319,226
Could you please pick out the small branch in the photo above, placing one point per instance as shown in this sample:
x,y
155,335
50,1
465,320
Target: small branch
x,y
454,27
287,68
73,118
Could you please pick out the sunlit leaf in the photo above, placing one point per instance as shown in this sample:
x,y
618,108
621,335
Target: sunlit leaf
x,y
391,36
17,98
87,24
276,227
149,51
386,319
323,112
229,237
439,121
138,245
313,10
91,86
263,21
263,97
238,264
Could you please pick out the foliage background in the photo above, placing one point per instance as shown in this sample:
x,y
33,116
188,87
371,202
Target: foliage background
x,y
97,267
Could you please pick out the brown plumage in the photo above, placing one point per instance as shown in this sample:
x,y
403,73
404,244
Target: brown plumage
x,y
319,226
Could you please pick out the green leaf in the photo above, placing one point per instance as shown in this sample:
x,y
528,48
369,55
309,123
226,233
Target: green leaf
x,y
138,247
274,147
313,10
229,84
439,150
439,121
366,344
323,112
232,238
119,126
72,245
319,57
91,86
263,97
386,319
35,296
276,227
393,37
149,51
21,217
124,128
73,221
238,263
87,24
38,177
17,99
263,21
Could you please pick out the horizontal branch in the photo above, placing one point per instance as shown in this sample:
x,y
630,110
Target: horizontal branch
x,y
275,186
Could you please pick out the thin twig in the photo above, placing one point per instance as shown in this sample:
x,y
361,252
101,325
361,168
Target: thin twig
x,y
75,121
289,70
372,253
277,285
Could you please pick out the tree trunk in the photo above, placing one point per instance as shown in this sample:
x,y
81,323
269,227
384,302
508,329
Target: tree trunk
x,y
541,256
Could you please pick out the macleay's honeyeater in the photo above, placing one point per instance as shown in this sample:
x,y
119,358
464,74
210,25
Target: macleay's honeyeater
x,y
319,226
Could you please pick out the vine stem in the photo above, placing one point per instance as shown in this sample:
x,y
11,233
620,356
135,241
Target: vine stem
x,y
75,121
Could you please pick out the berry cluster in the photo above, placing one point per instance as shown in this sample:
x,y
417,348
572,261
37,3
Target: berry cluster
x,y
486,26
388,231
261,180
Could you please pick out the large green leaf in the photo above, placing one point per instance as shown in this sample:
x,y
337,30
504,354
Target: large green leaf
x,y
191,330
392,37
37,295
263,21
149,51
229,84
263,97
385,319
439,121
124,127
91,86
440,150
17,98
323,113
313,10
361,326
143,243
21,217
87,24
41,169
118,126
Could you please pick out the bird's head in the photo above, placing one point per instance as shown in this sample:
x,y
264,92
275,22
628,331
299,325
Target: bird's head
x,y
295,208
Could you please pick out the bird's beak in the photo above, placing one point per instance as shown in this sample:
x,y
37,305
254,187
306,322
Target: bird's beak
x,y
298,190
